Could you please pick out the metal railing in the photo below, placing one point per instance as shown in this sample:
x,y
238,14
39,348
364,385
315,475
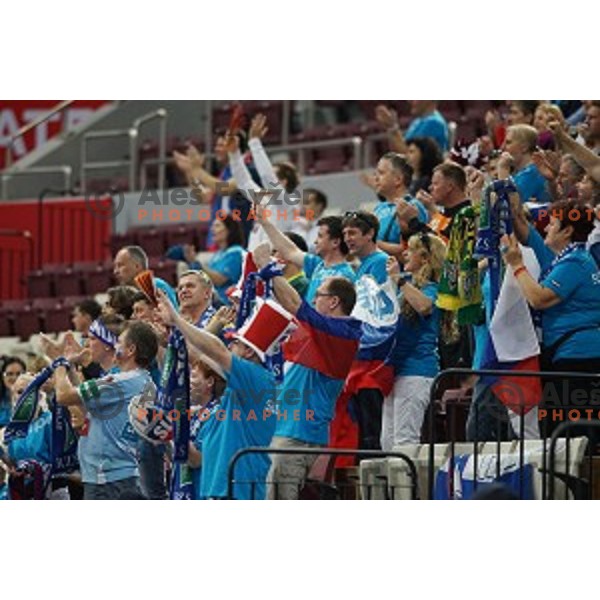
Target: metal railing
x,y
231,481
32,125
546,472
300,147
65,170
131,163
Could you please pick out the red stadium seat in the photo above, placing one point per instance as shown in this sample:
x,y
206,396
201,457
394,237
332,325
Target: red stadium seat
x,y
40,284
68,282
151,240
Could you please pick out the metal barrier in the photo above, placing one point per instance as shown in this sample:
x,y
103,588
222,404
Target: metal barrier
x,y
16,259
546,472
301,148
65,170
132,162
412,471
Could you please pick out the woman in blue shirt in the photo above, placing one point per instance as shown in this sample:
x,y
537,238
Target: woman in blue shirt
x,y
12,368
225,267
415,356
567,295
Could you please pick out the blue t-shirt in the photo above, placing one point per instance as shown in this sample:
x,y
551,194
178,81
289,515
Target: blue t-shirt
x,y
109,451
532,184
433,126
374,265
5,409
245,417
37,444
228,262
416,350
307,396
317,272
576,280
389,228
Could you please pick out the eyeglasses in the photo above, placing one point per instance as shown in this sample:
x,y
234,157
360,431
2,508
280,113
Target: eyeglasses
x,y
319,294
426,241
353,214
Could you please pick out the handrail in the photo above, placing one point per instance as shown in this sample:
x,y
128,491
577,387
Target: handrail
x,y
161,115
356,141
31,125
133,134
101,134
66,170
412,470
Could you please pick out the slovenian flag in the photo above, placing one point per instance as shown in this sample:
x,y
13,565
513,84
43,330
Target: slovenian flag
x,y
378,309
513,344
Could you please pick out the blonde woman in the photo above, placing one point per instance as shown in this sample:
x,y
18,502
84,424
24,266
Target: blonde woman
x,y
415,356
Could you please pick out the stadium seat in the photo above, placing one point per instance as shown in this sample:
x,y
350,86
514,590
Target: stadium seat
x,y
151,240
96,277
40,284
27,322
67,282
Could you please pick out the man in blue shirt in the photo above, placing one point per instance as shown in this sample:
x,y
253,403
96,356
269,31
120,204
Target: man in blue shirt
x,y
195,295
108,453
318,358
132,260
519,145
360,234
392,179
330,257
427,122
245,415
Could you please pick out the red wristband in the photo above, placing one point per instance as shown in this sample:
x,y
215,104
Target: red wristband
x,y
518,271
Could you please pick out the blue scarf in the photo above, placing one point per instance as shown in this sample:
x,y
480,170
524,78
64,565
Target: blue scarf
x,y
26,407
64,441
494,222
174,392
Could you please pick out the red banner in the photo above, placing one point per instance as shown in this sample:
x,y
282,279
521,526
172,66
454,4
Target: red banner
x,y
14,114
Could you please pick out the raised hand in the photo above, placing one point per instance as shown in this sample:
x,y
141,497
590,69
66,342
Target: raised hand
x,y
232,143
262,255
511,253
393,269
426,200
258,127
51,348
386,117
406,211
546,164
166,311
368,179
475,184
196,158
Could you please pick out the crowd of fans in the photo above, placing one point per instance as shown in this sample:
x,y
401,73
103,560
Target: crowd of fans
x,y
307,329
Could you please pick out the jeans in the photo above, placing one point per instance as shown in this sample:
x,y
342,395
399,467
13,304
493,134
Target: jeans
x,y
152,470
125,489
